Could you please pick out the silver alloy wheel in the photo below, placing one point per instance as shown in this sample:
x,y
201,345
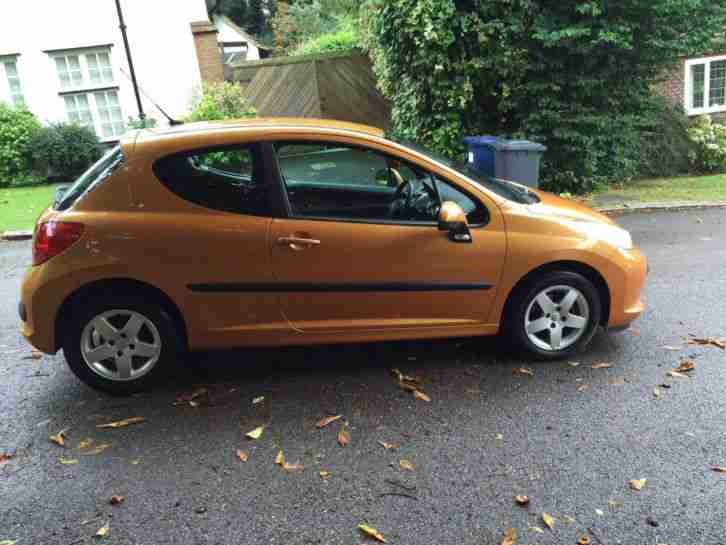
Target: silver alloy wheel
x,y
556,318
120,345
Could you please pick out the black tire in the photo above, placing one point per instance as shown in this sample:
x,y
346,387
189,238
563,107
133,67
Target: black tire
x,y
514,323
171,345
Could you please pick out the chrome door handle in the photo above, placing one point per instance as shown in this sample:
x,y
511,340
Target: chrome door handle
x,y
298,241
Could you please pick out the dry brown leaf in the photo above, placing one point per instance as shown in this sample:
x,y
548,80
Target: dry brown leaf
x,y
5,457
418,394
405,464
676,374
292,467
601,365
389,446
34,355
103,530
406,378
637,484
328,420
67,461
256,433
523,371
242,455
280,458
548,520
584,540
123,423
97,450
343,437
510,536
522,500
718,469
583,388
324,474
59,438
708,341
117,500
85,443
686,366
371,532
617,381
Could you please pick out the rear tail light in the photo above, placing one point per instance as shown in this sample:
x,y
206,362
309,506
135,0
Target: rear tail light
x,y
54,237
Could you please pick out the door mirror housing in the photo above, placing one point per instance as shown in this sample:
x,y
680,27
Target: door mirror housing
x,y
453,220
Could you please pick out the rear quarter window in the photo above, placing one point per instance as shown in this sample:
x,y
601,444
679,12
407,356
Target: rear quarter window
x,y
102,169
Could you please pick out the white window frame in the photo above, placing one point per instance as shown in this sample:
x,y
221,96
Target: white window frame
x,y
86,82
6,80
93,107
688,87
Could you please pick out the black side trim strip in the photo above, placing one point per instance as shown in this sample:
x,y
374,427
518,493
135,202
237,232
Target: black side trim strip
x,y
225,287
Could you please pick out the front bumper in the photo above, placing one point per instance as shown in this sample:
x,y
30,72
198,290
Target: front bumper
x,y
626,304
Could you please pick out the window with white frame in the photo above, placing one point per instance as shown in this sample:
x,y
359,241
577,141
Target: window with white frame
x,y
100,111
83,69
705,88
13,79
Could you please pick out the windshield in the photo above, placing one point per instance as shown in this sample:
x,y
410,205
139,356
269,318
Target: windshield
x,y
103,168
508,190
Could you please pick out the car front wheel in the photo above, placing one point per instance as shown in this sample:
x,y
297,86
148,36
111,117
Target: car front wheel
x,y
120,345
555,315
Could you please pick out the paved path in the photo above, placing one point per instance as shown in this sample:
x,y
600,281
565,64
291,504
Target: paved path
x,y
486,435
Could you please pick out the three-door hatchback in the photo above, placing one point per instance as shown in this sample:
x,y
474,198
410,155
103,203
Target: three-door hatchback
x,y
299,231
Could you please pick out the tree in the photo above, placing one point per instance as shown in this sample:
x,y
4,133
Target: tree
x,y
576,75
256,19
237,11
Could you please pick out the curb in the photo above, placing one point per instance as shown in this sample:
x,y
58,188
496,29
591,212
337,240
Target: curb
x,y
16,235
660,207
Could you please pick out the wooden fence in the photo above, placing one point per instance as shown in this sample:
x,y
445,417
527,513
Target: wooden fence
x,y
331,86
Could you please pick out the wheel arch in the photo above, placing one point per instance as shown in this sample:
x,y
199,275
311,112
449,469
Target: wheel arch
x,y
589,272
117,286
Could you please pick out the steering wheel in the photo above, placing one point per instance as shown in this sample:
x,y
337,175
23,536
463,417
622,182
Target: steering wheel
x,y
401,203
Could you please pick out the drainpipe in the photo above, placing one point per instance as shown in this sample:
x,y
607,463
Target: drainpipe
x,y
122,26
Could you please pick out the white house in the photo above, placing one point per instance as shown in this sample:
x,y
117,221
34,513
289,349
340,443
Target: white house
x,y
66,60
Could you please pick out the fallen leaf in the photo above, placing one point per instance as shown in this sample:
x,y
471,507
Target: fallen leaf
x,y
718,469
569,519
8,542
123,423
5,457
522,500
676,374
672,348
510,536
371,532
85,444
256,433
98,450
292,467
583,388
523,371
548,520
420,395
601,365
637,484
343,437
328,420
34,355
117,500
389,446
499,437
324,474
59,438
584,540
280,458
136,462
617,381
103,530
573,363
535,529
67,461
405,464
600,512
656,393
405,378
686,366
709,341
258,399
243,456
614,503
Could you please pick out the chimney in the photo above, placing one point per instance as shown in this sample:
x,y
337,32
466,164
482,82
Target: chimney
x,y
208,54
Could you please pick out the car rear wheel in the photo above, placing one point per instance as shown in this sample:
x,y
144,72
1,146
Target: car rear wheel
x,y
121,345
555,315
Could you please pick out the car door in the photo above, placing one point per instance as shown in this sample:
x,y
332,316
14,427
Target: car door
x,y
343,259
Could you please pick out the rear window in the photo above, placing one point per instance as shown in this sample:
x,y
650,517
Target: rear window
x,y
101,170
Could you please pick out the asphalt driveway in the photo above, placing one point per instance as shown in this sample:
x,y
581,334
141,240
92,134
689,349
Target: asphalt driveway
x,y
570,437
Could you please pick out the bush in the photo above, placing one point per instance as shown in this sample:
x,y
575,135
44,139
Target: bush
x,y
345,38
138,123
17,126
709,153
220,101
299,22
63,151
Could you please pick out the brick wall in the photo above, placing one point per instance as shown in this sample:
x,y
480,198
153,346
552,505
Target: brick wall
x,y
208,53
673,85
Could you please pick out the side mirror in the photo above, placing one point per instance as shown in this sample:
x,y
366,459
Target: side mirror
x,y
453,220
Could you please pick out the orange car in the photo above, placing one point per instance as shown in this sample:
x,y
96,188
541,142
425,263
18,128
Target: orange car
x,y
299,231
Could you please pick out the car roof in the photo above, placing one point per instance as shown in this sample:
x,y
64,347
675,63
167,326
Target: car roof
x,y
261,124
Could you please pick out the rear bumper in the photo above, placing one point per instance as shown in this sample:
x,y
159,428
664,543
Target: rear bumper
x,y
39,302
626,304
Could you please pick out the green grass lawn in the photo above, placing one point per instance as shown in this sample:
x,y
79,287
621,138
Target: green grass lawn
x,y
700,188
21,206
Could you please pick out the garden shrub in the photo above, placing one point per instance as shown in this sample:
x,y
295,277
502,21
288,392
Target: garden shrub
x,y
218,101
344,39
709,153
17,126
63,151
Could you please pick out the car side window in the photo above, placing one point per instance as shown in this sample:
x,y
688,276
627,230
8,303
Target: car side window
x,y
228,179
333,180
